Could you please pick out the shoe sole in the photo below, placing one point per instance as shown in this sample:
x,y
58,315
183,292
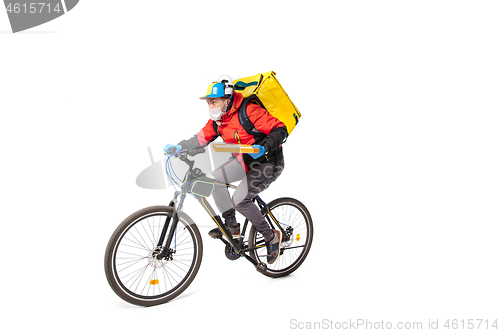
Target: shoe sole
x,y
221,235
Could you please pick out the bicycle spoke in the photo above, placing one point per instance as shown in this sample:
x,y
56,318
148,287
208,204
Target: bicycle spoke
x,y
153,244
135,247
184,250
170,275
179,268
152,232
128,239
132,254
126,262
147,284
139,277
140,235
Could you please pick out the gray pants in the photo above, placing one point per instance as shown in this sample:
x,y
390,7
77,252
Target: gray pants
x,y
252,183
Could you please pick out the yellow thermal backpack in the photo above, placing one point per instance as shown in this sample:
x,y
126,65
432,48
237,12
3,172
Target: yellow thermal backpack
x,y
265,90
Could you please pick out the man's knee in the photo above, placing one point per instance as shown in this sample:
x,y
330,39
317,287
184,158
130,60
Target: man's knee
x,y
241,203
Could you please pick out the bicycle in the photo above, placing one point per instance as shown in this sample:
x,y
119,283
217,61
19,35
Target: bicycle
x,y
156,252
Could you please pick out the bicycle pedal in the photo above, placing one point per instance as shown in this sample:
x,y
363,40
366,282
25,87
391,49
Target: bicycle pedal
x,y
261,267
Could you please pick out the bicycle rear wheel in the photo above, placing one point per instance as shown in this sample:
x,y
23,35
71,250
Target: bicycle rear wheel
x,y
132,269
296,221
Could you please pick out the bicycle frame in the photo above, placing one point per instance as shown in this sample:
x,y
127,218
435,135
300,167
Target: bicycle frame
x,y
238,245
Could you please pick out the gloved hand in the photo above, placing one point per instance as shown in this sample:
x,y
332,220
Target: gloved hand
x,y
171,149
261,152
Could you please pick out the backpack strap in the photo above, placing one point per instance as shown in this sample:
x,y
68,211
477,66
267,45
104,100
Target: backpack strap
x,y
245,122
216,127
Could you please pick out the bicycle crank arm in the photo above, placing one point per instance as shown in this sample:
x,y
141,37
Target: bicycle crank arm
x,y
252,248
260,267
255,263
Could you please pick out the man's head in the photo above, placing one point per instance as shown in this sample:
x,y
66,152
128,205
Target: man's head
x,y
218,98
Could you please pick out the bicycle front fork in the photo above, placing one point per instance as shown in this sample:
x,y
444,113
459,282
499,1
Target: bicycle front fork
x,y
166,251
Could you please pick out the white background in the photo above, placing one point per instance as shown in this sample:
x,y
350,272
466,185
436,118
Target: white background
x,y
396,156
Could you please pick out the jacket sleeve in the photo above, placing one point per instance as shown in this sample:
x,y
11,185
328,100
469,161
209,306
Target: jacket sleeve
x,y
202,138
272,127
274,140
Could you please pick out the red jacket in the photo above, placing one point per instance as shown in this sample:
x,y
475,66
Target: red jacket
x,y
231,130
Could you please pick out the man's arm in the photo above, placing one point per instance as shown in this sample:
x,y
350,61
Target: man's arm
x,y
202,138
265,122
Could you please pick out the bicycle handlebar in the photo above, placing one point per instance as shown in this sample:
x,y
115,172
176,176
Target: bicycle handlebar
x,y
190,152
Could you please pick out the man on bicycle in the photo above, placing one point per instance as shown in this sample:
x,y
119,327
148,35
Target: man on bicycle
x,y
257,171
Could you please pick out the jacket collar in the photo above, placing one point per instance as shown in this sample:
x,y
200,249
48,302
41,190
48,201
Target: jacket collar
x,y
233,106
235,103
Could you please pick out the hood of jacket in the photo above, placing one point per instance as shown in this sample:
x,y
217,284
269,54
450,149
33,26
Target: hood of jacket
x,y
234,105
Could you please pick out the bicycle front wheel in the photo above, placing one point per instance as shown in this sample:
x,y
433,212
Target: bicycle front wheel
x,y
297,224
132,268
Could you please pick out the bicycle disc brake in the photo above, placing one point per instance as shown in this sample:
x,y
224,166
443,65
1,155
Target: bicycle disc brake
x,y
154,260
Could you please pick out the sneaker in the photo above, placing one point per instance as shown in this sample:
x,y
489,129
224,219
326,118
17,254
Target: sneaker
x,y
274,247
217,233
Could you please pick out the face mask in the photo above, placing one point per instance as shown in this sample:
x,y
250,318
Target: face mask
x,y
216,113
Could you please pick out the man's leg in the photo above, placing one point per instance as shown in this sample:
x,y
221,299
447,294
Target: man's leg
x,y
227,173
256,181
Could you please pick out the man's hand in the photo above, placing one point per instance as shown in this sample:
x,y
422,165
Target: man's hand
x,y
261,152
171,149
